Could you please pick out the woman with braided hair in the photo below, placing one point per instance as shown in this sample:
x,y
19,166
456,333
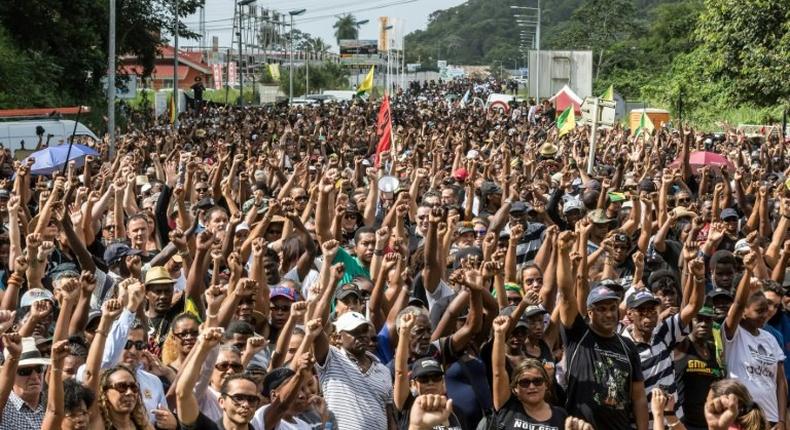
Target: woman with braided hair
x,y
120,403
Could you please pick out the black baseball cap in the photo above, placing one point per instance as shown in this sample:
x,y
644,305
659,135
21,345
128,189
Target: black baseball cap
x,y
641,298
425,366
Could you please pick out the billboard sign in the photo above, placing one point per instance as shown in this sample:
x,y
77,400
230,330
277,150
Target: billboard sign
x,y
359,51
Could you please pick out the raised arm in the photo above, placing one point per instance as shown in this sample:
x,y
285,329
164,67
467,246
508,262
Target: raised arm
x,y
432,273
501,380
401,384
697,284
742,294
565,280
55,412
283,400
186,401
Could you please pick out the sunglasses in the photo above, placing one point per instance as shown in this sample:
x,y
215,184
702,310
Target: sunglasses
x,y
481,233
526,382
224,366
27,371
435,378
238,399
187,334
123,387
281,308
139,344
300,198
201,190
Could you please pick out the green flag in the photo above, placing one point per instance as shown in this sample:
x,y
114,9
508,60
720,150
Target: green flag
x,y
645,124
566,122
609,94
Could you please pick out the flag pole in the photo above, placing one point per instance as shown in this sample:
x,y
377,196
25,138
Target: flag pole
x,y
71,141
392,140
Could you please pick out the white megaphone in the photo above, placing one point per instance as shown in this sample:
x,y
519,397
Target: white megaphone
x,y
388,184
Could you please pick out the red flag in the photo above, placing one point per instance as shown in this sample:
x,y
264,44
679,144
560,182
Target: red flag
x,y
383,130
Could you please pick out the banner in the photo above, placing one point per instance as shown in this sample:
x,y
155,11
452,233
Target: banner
x,y
232,81
216,70
274,70
383,130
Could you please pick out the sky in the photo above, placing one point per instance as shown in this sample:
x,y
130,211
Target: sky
x,y
321,15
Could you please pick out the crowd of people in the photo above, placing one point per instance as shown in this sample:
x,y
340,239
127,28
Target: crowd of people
x,y
269,268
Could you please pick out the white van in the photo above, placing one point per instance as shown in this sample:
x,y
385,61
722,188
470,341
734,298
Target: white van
x,y
13,133
340,95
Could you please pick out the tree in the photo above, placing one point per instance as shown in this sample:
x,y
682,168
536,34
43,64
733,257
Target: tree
x,y
346,28
597,25
747,43
73,36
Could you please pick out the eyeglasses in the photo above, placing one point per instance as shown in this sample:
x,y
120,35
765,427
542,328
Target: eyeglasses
x,y
300,198
224,366
123,387
27,371
238,399
526,382
427,379
139,344
109,227
187,334
76,414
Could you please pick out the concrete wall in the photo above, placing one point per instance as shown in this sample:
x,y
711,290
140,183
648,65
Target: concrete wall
x,y
554,69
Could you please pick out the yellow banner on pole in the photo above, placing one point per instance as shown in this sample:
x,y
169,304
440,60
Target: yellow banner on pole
x,y
274,70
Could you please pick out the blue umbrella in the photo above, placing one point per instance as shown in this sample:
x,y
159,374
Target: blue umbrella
x,y
53,158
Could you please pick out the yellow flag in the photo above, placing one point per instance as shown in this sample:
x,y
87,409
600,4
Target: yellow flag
x,y
172,107
609,94
274,70
366,84
191,308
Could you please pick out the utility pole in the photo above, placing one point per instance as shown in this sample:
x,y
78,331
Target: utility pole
x,y
175,67
307,70
291,44
111,80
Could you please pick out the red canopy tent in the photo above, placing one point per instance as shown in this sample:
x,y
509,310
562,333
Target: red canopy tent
x,y
566,97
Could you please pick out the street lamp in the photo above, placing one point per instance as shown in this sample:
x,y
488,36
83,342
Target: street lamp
x,y
389,78
537,40
241,4
292,13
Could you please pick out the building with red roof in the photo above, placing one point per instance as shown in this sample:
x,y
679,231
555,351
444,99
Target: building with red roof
x,y
191,64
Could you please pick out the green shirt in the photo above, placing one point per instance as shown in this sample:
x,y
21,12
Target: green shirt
x,y
353,267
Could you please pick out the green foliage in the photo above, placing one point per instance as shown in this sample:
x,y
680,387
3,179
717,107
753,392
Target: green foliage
x,y
25,79
69,40
346,28
327,76
748,44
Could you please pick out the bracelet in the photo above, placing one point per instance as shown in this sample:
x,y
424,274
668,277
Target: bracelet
x,y
701,280
103,333
211,316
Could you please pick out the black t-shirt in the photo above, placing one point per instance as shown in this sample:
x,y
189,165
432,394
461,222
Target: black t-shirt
x,y
204,423
694,376
600,371
513,416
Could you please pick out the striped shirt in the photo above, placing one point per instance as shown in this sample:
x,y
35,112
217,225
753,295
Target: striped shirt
x,y
656,357
358,400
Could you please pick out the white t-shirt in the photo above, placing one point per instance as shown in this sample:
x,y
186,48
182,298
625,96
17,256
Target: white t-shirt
x,y
754,362
297,424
